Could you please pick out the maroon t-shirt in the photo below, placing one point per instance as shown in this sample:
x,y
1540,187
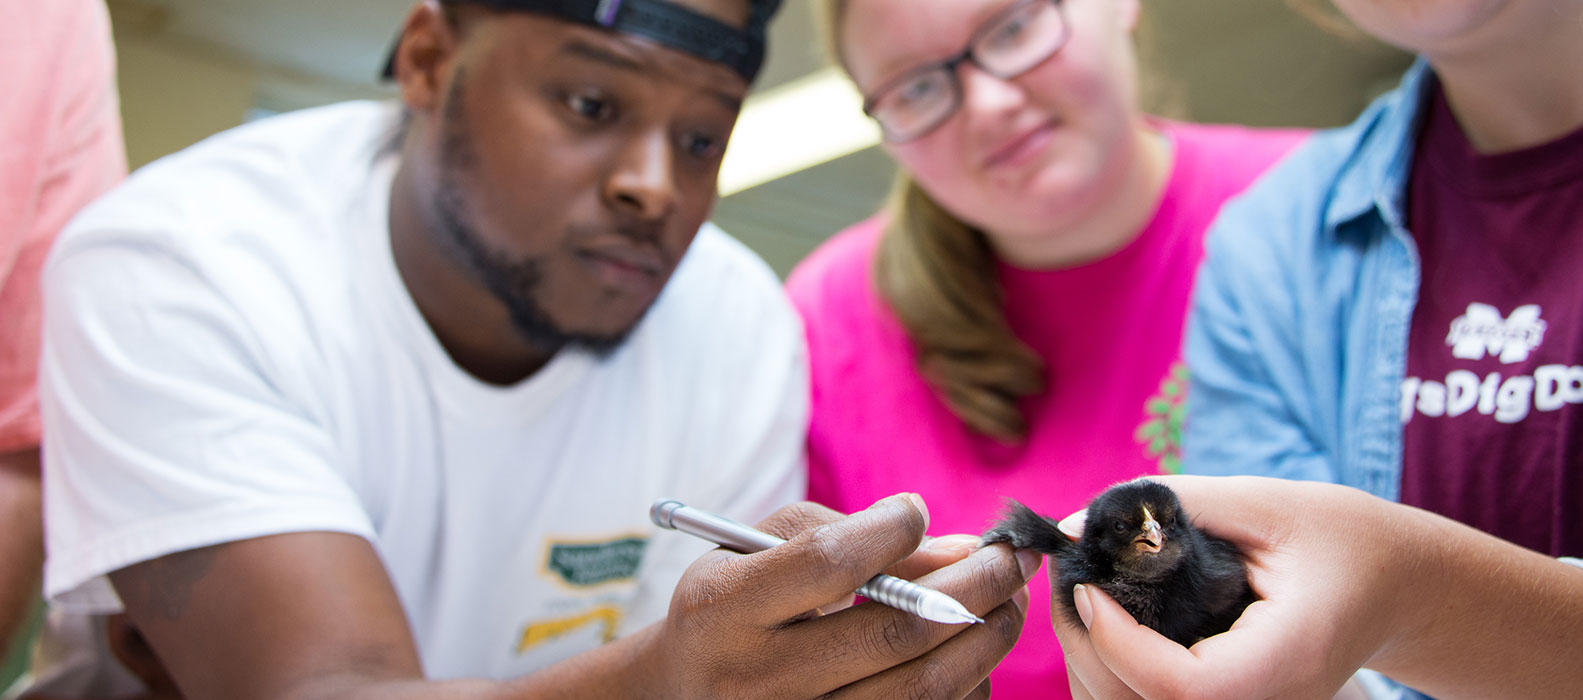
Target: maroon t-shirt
x,y
1494,425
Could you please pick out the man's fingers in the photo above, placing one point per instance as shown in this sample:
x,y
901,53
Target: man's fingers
x,y
818,564
789,520
981,692
935,553
867,639
957,668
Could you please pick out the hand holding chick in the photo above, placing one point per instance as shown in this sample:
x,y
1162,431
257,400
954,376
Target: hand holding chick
x,y
1345,580
1142,549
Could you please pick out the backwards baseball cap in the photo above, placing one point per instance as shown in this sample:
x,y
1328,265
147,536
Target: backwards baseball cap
x,y
667,23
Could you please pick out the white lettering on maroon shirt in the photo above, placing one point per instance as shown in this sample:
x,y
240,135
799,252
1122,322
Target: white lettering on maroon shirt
x,y
1482,329
1510,399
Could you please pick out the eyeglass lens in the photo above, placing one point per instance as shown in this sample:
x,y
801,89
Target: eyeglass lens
x,y
1007,46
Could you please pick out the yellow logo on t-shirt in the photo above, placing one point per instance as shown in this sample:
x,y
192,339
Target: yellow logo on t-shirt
x,y
541,632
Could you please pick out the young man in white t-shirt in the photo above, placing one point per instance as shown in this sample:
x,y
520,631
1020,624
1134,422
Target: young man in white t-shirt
x,y
371,401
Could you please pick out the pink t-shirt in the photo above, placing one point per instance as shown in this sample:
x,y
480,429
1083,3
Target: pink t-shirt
x,y
60,147
1110,334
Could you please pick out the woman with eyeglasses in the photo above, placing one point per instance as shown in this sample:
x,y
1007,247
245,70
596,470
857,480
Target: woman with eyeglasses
x,y
1009,325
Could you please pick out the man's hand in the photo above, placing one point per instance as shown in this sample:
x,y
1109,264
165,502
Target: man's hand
x,y
322,621
740,627
1347,580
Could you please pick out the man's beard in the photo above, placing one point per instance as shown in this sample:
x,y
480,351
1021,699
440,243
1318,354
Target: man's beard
x,y
514,282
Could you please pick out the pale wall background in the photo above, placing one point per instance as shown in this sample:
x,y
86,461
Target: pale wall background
x,y
189,68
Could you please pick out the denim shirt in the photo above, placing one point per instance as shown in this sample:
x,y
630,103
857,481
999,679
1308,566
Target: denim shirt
x,y
1297,338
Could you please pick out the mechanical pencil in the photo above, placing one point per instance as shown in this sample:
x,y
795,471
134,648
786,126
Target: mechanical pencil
x,y
901,594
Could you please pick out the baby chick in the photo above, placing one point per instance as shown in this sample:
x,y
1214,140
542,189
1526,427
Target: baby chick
x,y
1139,547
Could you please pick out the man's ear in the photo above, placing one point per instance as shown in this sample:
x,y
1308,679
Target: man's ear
x,y
423,56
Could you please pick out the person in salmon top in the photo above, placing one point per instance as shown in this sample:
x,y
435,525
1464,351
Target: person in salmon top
x,y
60,147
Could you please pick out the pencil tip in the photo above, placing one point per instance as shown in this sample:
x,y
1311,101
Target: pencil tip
x,y
947,610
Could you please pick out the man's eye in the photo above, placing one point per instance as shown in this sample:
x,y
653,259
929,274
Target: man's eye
x,y
704,146
591,108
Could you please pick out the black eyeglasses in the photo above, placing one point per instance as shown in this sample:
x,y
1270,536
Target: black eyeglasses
x,y
1008,45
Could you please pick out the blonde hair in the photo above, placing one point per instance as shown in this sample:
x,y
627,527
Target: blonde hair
x,y
937,274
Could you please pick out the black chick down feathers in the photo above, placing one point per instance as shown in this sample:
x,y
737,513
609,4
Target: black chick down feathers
x,y
1141,549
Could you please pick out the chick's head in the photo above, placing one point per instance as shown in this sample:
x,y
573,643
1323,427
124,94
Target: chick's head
x,y
1139,528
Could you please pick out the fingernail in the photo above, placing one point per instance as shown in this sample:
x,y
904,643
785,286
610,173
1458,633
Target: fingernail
x,y
1072,526
959,544
1020,598
917,502
1085,609
1028,561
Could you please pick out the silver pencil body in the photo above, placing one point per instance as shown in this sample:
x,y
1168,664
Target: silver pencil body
x,y
898,593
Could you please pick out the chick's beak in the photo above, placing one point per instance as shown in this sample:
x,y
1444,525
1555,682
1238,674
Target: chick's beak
x,y
1150,538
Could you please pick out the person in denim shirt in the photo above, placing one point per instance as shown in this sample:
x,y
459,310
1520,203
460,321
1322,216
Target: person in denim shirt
x,y
1396,308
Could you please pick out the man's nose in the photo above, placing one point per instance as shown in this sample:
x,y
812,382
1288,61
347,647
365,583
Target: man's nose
x,y
643,182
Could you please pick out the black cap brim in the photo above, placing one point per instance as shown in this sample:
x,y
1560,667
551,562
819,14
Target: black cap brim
x,y
667,23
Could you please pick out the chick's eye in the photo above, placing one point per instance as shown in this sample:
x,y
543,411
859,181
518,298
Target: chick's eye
x,y
1118,526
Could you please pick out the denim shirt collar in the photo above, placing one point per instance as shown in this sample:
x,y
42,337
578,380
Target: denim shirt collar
x,y
1376,178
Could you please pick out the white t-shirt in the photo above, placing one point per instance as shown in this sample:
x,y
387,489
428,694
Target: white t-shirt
x,y
231,353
